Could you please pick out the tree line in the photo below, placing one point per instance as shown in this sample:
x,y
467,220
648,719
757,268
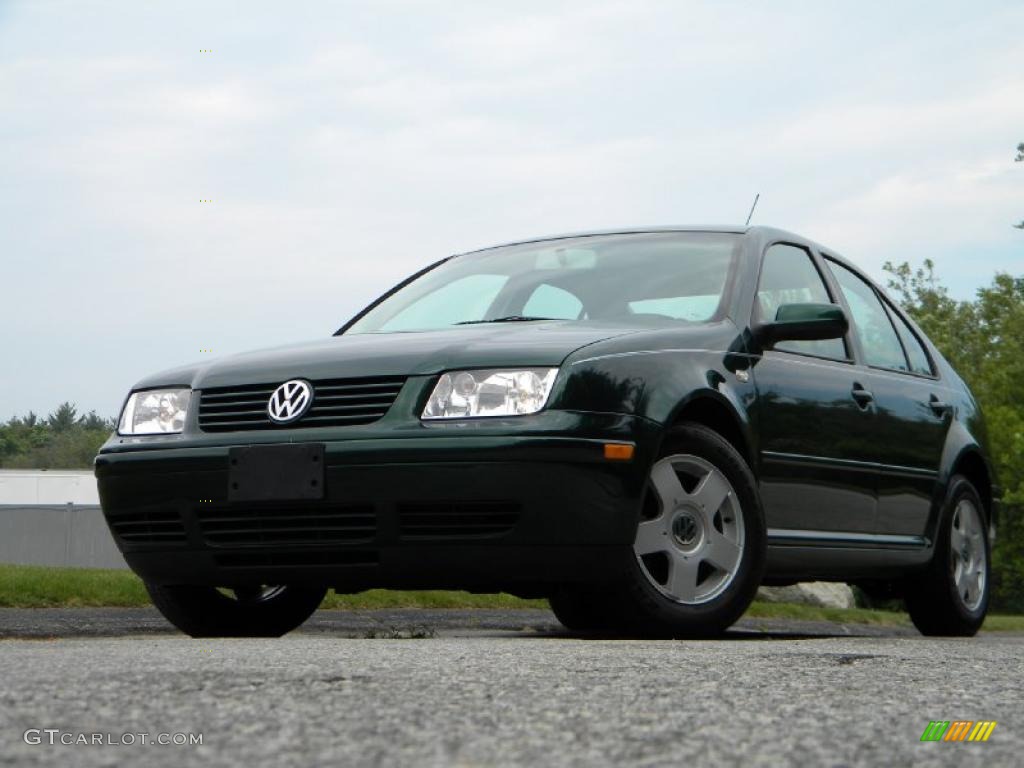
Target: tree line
x,y
63,440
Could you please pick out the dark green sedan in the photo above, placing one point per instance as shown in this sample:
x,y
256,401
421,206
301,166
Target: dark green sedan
x,y
642,426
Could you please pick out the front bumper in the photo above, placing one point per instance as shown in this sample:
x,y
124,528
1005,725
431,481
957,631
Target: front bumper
x,y
481,512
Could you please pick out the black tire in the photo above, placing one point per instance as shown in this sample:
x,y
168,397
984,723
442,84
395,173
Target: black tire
x,y
933,601
207,612
585,610
642,610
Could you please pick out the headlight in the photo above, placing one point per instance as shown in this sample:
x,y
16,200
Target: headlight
x,y
465,394
155,412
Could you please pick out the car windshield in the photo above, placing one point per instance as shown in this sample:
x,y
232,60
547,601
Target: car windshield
x,y
644,278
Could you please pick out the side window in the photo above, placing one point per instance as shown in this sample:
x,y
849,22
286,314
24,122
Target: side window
x,y
788,276
468,298
919,361
549,301
882,347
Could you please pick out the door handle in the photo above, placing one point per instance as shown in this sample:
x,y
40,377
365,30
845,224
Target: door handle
x,y
862,396
939,407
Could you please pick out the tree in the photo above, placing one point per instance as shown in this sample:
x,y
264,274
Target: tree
x,y
64,418
29,421
64,440
952,325
91,421
20,437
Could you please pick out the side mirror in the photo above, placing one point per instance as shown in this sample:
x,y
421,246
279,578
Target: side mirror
x,y
803,322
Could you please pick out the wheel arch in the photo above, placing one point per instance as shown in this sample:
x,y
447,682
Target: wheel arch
x,y
971,464
713,410
966,455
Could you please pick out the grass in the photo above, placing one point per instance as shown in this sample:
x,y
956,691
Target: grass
x,y
27,586
30,586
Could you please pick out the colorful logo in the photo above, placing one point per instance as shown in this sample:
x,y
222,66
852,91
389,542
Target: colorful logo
x,y
958,730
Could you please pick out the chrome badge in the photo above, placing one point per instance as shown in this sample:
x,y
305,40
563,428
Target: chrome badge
x,y
290,401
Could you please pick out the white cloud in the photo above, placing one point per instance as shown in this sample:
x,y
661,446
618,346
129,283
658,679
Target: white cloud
x,y
911,128
231,102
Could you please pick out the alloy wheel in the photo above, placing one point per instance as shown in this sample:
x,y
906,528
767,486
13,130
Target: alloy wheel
x,y
966,540
690,544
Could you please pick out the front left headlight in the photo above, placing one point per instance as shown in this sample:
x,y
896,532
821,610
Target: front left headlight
x,y
467,394
155,412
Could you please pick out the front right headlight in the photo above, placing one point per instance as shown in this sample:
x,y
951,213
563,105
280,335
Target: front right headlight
x,y
469,394
155,412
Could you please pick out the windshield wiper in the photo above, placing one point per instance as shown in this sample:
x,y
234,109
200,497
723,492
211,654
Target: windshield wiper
x,y
507,319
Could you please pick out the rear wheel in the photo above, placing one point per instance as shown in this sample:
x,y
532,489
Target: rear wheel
x,y
242,611
699,550
951,597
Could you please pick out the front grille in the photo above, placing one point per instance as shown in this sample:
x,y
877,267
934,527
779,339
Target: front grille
x,y
456,519
336,403
223,526
295,559
160,526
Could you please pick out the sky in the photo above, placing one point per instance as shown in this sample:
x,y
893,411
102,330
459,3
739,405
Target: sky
x,y
345,145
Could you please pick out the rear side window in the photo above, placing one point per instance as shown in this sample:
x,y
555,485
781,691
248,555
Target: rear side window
x,y
882,348
788,276
919,361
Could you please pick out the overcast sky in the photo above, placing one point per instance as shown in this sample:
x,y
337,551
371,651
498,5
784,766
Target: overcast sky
x,y
345,145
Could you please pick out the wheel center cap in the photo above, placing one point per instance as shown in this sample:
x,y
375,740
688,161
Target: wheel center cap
x,y
686,529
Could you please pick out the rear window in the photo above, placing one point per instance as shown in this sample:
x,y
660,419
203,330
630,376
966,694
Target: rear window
x,y
916,354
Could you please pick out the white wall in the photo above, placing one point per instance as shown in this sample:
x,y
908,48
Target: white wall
x,y
48,486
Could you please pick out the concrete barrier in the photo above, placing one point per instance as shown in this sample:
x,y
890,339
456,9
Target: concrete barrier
x,y
54,518
68,535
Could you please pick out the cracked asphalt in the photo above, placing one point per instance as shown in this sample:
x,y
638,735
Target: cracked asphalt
x,y
468,688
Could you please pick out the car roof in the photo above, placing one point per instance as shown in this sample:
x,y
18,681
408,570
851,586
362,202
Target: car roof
x,y
764,231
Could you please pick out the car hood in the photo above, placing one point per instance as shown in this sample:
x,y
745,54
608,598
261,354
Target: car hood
x,y
398,354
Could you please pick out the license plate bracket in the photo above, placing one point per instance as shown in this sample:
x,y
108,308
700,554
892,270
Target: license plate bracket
x,y
286,472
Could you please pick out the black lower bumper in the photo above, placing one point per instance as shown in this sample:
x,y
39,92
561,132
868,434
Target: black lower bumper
x,y
517,517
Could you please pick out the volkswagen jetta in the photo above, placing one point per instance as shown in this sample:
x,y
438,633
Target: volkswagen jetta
x,y
642,426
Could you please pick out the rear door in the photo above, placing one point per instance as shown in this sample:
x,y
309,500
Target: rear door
x,y
814,423
913,415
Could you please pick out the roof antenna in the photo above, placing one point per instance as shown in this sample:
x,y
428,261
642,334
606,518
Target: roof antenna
x,y
751,214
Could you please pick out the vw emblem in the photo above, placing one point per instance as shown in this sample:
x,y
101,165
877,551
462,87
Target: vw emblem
x,y
290,401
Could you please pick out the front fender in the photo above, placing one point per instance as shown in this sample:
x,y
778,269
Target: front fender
x,y
663,386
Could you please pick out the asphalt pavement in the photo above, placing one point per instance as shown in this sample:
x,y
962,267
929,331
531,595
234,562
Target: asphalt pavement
x,y
494,688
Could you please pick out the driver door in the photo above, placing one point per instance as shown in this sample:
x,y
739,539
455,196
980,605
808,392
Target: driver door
x,y
815,417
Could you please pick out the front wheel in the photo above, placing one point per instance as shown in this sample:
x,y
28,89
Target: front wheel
x,y
699,550
241,611
951,597
583,609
